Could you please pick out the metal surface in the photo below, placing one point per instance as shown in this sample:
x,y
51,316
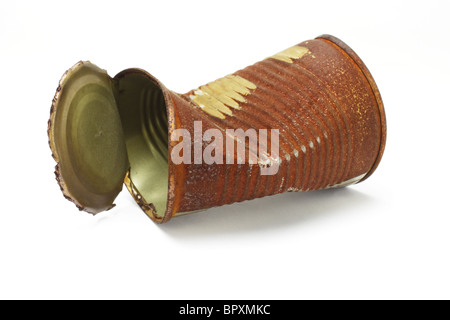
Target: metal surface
x,y
318,94
86,138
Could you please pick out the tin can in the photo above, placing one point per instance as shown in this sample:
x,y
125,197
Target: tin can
x,y
307,118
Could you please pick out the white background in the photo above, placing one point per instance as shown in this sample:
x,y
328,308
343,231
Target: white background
x,y
388,237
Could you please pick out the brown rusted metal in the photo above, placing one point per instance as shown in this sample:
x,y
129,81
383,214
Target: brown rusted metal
x,y
318,94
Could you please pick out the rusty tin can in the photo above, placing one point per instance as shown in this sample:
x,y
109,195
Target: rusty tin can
x,y
307,118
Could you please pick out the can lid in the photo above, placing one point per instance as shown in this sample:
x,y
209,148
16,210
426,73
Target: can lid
x,y
86,138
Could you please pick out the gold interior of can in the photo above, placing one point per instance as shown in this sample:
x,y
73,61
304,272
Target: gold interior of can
x,y
142,110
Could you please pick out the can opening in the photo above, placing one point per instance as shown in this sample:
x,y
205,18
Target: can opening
x,y
142,110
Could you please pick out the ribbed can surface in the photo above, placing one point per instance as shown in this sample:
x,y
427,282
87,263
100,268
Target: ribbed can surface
x,y
324,104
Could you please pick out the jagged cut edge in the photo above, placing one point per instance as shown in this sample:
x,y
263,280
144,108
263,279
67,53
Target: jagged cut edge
x,y
51,142
148,208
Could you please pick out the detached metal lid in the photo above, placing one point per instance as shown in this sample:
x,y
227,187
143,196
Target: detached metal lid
x,y
86,138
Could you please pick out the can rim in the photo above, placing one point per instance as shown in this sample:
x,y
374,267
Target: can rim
x,y
352,54
171,117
